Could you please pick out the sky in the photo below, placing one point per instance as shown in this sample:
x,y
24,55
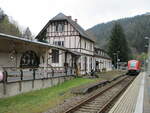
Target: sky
x,y
36,13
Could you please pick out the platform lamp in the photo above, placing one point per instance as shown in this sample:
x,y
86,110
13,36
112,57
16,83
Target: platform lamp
x,y
148,68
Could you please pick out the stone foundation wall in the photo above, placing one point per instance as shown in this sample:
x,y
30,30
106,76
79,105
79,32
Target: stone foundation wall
x,y
14,88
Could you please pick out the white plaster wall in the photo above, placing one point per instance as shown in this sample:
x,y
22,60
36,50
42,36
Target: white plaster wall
x,y
67,41
77,42
88,63
61,59
106,63
82,61
72,42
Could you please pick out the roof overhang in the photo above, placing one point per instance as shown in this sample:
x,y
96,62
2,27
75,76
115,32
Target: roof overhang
x,y
32,42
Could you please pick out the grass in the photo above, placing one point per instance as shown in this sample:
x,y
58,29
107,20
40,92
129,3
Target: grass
x,y
40,100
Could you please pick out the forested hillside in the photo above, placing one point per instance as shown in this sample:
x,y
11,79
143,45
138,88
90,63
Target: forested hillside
x,y
135,28
7,26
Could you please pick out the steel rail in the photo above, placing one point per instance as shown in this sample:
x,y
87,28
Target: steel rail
x,y
115,97
77,106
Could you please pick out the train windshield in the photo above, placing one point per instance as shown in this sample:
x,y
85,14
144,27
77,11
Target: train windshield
x,y
133,64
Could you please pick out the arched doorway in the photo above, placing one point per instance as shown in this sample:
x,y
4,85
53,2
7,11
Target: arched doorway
x,y
29,59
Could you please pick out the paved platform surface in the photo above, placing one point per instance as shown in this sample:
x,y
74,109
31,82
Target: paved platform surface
x,y
136,98
146,105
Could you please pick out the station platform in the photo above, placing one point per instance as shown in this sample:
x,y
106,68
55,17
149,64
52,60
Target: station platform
x,y
136,99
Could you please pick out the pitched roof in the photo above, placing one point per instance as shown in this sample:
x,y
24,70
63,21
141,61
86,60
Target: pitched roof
x,y
61,16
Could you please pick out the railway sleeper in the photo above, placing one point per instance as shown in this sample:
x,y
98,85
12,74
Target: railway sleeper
x,y
96,105
88,110
93,107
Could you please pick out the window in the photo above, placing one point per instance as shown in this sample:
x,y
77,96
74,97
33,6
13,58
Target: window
x,y
59,43
56,28
59,28
55,56
29,59
85,45
133,64
56,43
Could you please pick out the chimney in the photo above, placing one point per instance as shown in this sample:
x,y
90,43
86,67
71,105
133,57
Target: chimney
x,y
76,20
69,17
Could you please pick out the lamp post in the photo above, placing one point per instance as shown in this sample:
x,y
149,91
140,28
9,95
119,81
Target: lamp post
x,y
148,68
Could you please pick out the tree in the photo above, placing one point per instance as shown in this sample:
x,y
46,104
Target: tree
x,y
135,29
1,14
8,26
27,34
118,45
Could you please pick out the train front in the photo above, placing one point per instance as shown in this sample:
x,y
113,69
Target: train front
x,y
133,67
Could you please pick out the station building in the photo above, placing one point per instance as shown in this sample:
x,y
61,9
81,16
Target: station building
x,y
63,31
62,46
61,50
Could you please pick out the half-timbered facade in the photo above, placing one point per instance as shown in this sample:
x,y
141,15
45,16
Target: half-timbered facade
x,y
63,31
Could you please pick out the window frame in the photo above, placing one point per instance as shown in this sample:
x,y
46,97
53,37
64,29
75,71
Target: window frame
x,y
55,56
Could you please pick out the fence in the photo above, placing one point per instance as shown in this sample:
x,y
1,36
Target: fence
x,y
18,80
13,74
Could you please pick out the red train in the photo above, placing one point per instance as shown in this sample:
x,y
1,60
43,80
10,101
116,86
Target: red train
x,y
133,67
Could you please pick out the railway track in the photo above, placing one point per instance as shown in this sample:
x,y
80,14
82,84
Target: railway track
x,y
100,101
